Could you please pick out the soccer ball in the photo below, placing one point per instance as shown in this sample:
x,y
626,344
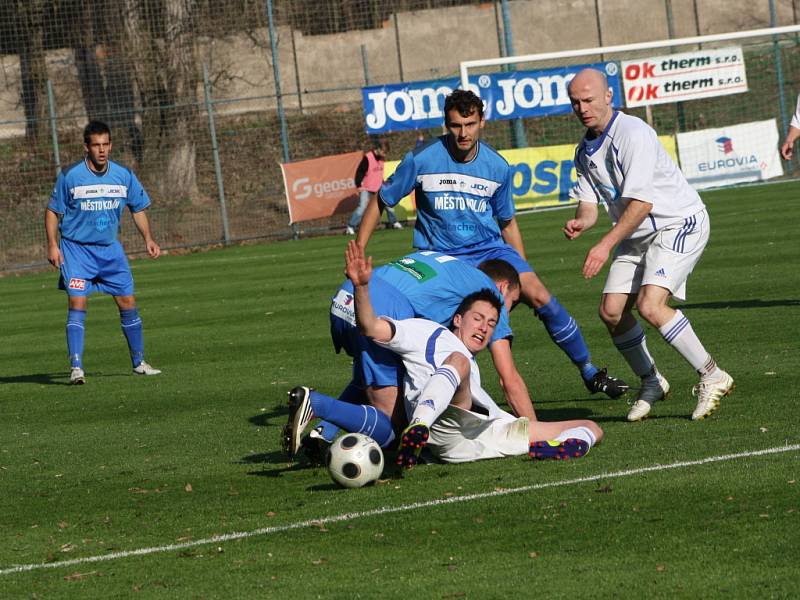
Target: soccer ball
x,y
354,460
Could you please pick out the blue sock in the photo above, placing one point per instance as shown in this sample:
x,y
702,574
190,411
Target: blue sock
x,y
132,328
354,418
75,335
352,394
564,331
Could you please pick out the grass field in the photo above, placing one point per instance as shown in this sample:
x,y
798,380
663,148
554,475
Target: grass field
x,y
119,487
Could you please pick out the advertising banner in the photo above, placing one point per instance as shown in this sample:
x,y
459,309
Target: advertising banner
x,y
542,176
717,157
506,95
685,76
321,187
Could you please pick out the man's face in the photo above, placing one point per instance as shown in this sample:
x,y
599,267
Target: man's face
x,y
464,131
97,150
591,102
476,326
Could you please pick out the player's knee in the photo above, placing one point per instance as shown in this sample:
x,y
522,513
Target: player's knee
x,y
610,315
648,309
460,363
533,292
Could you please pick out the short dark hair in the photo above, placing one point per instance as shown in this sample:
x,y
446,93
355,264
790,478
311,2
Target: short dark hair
x,y
498,270
465,102
484,294
95,128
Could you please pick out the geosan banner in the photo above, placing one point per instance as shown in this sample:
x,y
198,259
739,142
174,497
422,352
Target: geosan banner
x,y
728,155
321,187
685,76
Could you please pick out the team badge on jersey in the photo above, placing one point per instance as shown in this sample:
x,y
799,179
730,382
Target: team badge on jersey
x,y
77,284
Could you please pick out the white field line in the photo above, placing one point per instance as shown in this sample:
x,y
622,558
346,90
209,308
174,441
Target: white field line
x,y
391,509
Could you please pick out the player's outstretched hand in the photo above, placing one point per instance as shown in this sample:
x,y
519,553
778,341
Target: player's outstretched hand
x,y
357,268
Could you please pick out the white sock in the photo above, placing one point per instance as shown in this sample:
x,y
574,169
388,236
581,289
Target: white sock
x,y
436,395
633,347
679,334
582,433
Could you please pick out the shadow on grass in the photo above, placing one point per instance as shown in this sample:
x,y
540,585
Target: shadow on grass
x,y
755,303
59,378
263,419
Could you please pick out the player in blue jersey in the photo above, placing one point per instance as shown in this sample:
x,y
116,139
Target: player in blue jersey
x,y
441,379
81,222
465,208
428,285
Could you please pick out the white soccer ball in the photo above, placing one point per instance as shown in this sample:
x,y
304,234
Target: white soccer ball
x,y
354,460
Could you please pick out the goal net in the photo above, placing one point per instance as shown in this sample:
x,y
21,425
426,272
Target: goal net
x,y
721,105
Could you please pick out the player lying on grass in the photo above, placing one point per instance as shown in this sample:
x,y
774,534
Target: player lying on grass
x,y
427,285
447,408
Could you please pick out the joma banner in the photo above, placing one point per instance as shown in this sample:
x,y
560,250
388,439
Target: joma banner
x,y
418,104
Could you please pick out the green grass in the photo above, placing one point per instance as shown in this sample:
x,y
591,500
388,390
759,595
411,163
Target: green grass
x,y
126,463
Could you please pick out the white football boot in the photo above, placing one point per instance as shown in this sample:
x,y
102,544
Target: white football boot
x,y
76,376
709,392
144,369
654,387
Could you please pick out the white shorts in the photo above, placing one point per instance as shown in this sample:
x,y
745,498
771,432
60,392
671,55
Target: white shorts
x,y
460,435
665,258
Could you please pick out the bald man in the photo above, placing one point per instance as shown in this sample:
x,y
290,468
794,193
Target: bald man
x,y
660,228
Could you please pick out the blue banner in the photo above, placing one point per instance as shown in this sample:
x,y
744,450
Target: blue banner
x,y
511,95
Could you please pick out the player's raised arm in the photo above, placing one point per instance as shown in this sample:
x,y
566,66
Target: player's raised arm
x,y
369,221
358,269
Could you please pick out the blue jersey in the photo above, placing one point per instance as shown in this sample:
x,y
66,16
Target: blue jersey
x,y
434,284
458,204
91,203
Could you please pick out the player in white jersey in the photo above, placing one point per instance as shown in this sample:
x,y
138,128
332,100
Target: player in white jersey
x,y
787,149
660,229
442,376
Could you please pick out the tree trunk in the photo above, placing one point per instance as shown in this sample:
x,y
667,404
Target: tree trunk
x,y
180,82
32,67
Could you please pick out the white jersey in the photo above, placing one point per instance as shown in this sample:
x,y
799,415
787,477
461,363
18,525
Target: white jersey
x,y
796,118
628,162
424,345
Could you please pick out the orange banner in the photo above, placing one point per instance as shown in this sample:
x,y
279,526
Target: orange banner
x,y
321,187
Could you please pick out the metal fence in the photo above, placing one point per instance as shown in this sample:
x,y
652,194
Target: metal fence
x,y
205,99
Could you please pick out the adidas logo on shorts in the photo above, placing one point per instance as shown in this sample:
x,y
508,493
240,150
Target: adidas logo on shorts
x,y
661,273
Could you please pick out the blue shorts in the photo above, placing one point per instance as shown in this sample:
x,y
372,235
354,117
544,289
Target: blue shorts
x,y
497,249
372,364
94,267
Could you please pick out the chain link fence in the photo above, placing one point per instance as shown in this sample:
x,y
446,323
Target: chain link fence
x,y
205,99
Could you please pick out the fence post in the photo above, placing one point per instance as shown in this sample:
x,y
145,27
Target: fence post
x,y
297,75
779,75
397,45
365,63
519,128
51,103
276,71
671,33
215,151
